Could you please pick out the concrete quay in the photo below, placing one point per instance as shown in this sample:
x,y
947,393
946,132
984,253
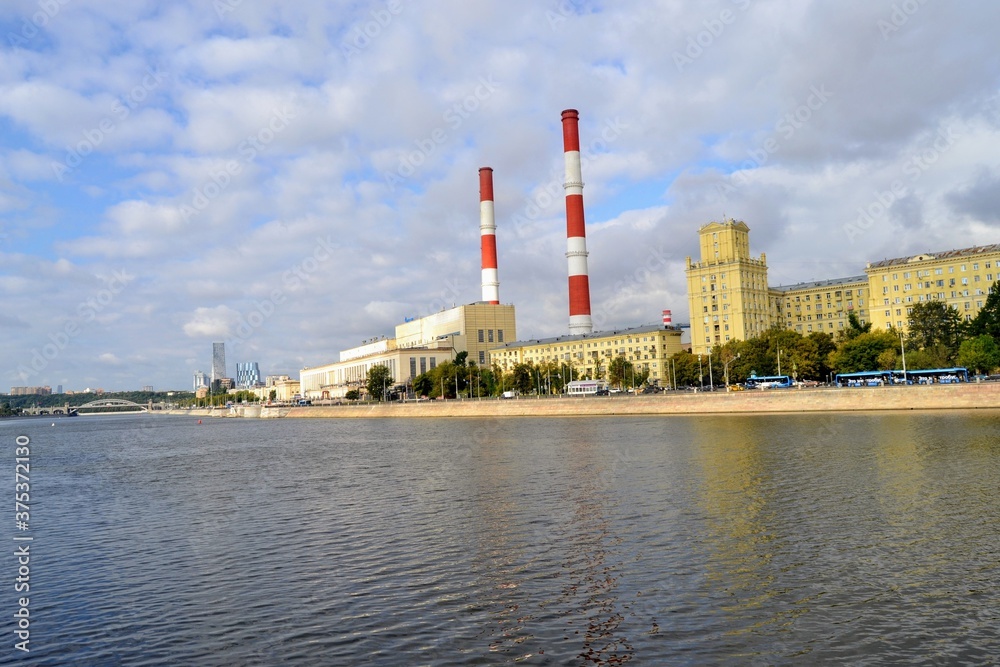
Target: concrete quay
x,y
984,396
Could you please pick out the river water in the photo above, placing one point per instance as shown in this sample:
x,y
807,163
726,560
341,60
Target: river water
x,y
863,539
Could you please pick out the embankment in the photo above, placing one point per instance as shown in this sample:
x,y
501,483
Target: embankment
x,y
934,397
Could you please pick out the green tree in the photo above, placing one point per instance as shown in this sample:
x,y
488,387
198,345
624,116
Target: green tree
x,y
933,324
980,354
378,382
352,395
272,395
686,369
620,372
423,385
987,320
854,327
861,353
523,378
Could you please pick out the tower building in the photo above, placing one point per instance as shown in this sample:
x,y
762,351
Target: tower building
x,y
727,289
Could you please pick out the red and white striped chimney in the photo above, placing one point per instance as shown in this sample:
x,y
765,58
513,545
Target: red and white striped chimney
x,y
488,237
668,319
576,233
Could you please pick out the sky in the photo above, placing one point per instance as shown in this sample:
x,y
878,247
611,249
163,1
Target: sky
x,y
296,178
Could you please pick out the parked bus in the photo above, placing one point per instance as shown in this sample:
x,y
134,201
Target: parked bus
x,y
865,379
933,376
585,387
768,382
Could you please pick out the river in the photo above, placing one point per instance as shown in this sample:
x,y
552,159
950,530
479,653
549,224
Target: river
x,y
863,539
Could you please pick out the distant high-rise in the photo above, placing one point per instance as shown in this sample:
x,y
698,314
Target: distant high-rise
x,y
218,361
247,374
201,379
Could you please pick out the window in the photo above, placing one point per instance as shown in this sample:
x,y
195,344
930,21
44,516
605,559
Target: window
x,y
489,335
481,336
423,365
434,363
413,367
482,357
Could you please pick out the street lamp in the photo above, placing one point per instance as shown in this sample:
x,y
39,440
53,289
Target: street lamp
x,y
727,368
711,381
903,349
779,361
701,374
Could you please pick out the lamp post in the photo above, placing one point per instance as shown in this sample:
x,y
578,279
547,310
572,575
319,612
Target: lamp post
x,y
779,361
701,374
727,368
711,381
903,350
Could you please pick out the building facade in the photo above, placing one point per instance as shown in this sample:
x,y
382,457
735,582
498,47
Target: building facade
x,y
588,355
961,278
201,379
822,305
727,287
247,374
218,361
419,345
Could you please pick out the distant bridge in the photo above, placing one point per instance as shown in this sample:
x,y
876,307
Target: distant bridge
x,y
106,405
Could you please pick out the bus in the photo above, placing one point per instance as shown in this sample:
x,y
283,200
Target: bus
x,y
768,382
865,379
585,387
933,376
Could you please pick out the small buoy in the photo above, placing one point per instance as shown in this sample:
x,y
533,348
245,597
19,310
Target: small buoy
x,y
53,423
199,421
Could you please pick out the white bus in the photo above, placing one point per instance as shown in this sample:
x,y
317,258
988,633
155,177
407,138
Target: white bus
x,y
585,387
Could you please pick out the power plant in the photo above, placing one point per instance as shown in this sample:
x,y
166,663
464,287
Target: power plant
x,y
486,330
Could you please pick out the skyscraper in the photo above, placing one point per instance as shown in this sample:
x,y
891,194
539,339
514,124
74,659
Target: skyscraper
x,y
201,379
218,362
247,374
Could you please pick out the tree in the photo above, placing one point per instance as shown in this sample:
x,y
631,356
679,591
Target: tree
x,y
987,320
620,371
524,378
861,353
272,395
980,354
854,327
423,385
379,381
933,324
352,395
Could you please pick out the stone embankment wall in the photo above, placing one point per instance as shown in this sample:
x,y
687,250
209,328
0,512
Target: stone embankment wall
x,y
934,397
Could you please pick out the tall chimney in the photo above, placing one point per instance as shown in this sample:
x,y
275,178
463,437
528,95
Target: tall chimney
x,y
488,237
576,233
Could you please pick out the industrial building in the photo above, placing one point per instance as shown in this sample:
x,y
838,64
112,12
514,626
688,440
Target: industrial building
x,y
420,344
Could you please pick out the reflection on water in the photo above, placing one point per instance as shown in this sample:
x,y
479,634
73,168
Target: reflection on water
x,y
862,539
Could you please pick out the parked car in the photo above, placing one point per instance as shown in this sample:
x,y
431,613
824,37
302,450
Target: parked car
x,y
602,392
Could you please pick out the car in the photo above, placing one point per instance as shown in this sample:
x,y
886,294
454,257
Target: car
x,y
602,392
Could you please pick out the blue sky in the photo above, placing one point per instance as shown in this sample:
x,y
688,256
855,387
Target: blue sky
x,y
170,171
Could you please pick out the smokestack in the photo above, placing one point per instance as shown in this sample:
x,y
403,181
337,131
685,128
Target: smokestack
x,y
668,320
576,234
488,237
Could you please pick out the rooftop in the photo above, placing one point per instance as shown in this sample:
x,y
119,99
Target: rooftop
x,y
649,328
833,282
931,256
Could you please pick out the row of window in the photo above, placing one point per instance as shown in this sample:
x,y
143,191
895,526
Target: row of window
x,y
489,335
938,271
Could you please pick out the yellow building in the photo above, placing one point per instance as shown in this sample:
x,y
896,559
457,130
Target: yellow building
x,y
821,305
727,289
729,299
961,278
648,348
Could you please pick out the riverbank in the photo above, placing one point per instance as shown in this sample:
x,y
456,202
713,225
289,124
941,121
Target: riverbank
x,y
932,397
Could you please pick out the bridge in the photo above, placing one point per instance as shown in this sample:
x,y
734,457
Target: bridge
x,y
109,405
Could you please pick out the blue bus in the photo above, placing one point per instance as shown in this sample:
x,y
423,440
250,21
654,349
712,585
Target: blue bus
x,y
865,379
933,376
768,382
